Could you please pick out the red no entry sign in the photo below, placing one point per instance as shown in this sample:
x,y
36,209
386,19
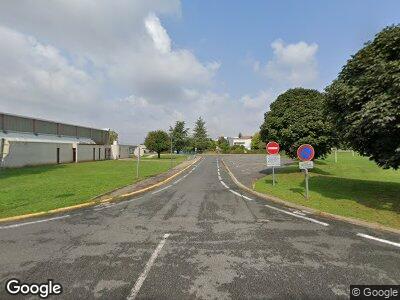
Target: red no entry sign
x,y
272,147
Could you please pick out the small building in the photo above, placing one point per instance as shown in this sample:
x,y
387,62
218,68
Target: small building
x,y
26,141
121,151
243,141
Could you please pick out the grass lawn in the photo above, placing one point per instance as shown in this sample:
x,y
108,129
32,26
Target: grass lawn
x,y
352,187
42,188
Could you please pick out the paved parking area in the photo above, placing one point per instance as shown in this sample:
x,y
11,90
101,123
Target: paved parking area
x,y
248,168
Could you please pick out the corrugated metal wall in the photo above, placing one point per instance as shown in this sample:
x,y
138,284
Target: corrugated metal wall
x,y
45,127
14,123
29,125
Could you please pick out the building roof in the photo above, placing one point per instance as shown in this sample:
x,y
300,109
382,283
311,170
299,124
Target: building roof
x,y
30,128
43,138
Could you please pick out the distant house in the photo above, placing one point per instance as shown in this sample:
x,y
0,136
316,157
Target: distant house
x,y
243,141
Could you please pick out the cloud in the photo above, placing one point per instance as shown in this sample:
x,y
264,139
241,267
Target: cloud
x,y
291,65
159,35
111,65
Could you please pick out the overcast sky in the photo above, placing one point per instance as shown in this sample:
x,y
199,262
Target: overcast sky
x,y
139,65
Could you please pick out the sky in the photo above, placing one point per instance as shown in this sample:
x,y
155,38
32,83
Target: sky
x,y
137,65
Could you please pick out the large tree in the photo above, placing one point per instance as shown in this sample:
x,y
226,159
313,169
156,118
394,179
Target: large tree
x,y
179,136
157,141
364,101
200,138
296,117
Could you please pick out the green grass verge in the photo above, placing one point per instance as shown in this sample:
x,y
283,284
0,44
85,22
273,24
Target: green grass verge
x,y
42,188
353,187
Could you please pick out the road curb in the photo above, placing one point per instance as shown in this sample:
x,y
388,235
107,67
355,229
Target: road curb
x,y
92,203
308,209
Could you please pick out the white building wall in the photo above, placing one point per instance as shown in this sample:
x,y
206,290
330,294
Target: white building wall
x,y
120,151
237,141
86,152
34,153
114,151
124,151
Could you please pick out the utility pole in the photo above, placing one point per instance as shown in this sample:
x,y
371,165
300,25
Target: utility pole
x,y
171,150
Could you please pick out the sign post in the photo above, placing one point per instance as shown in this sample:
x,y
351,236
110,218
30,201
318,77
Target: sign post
x,y
273,159
138,152
306,153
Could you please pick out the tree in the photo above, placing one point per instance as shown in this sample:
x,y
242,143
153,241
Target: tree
x,y
157,141
364,101
179,136
297,117
113,136
223,144
212,145
200,138
256,142
240,135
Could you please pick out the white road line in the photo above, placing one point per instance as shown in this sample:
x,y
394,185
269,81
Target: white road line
x,y
219,177
298,216
142,277
223,183
248,198
378,239
240,195
178,180
34,222
236,193
297,212
164,188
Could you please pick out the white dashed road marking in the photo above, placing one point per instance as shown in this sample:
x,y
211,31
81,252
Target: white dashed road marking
x,y
297,216
224,184
34,222
378,239
164,188
142,277
247,198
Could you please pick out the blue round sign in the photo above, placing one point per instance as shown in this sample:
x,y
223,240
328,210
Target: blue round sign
x,y
305,152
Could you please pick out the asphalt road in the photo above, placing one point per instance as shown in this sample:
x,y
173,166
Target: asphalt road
x,y
249,168
197,237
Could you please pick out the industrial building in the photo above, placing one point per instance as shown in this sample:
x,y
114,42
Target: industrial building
x,y
26,141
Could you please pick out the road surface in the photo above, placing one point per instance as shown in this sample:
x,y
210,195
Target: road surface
x,y
197,237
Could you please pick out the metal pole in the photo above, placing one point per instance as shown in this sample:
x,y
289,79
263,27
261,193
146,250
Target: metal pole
x,y
306,174
273,176
2,142
171,150
138,162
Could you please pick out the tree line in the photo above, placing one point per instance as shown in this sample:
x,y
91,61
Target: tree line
x,y
359,110
179,138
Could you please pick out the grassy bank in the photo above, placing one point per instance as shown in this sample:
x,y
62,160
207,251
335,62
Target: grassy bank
x,y
352,187
42,188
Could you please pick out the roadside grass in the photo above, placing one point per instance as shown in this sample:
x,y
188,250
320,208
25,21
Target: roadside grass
x,y
42,188
353,187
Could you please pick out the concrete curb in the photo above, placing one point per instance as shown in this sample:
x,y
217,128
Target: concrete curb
x,y
310,210
92,203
